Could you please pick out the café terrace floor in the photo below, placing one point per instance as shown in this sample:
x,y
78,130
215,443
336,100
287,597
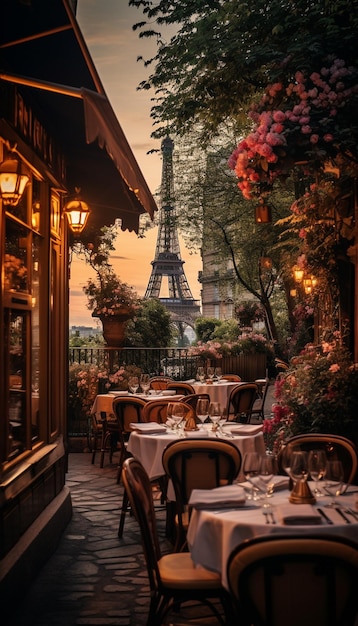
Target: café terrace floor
x,y
94,578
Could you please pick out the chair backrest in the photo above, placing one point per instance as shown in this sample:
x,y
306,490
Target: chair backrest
x,y
160,382
200,464
295,579
128,409
259,403
139,490
183,389
156,410
241,400
193,398
233,378
335,446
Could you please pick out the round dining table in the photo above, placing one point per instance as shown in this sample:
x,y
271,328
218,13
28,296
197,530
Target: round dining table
x,y
218,391
103,403
148,448
213,533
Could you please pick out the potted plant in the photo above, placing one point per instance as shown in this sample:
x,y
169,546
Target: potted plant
x,y
113,301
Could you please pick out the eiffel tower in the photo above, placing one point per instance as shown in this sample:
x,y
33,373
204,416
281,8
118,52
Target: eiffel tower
x,y
180,303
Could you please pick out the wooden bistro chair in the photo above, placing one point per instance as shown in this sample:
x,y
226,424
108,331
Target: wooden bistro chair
x,y
258,408
160,382
193,398
197,464
241,401
232,378
277,580
156,410
336,447
173,578
128,409
181,388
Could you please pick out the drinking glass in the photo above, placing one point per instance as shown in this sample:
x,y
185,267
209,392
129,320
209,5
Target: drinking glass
x,y
144,383
210,373
200,374
218,373
334,480
133,384
251,469
317,462
202,410
268,469
299,465
178,413
215,414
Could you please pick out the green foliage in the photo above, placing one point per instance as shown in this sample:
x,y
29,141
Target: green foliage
x,y
152,326
205,327
204,73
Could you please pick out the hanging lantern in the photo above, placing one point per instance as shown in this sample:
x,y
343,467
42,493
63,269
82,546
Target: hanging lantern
x,y
77,213
307,285
14,177
263,214
298,274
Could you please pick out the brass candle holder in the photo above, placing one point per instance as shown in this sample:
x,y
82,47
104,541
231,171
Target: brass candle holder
x,y
301,493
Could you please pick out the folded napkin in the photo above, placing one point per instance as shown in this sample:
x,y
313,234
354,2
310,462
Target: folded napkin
x,y
148,427
191,381
218,498
279,482
119,393
291,514
245,429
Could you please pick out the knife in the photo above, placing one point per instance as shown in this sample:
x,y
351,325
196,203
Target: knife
x,y
346,519
322,513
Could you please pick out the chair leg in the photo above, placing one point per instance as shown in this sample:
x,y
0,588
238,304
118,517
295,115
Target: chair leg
x,y
125,508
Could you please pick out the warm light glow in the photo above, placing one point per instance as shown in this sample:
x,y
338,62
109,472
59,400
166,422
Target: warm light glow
x,y
77,213
307,285
314,281
293,293
298,274
14,177
265,262
262,214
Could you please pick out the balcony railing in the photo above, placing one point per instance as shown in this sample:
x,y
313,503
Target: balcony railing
x,y
173,362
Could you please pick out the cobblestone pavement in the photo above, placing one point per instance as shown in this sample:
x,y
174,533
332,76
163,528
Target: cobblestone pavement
x,y
94,578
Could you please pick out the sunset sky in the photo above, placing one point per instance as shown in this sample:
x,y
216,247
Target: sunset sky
x,y
114,47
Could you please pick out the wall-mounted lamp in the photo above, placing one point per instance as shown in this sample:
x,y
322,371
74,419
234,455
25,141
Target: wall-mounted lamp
x,y
14,177
77,212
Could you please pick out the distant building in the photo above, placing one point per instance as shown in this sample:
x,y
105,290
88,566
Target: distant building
x,y
84,331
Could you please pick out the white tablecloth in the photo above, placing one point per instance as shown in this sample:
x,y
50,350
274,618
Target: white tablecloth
x,y
218,392
212,535
149,448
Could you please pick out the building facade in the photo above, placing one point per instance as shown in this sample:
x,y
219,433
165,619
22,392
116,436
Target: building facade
x,y
58,130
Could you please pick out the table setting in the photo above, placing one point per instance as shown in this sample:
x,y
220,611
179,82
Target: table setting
x,y
222,520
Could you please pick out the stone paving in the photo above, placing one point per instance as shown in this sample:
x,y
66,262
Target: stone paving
x,y
94,578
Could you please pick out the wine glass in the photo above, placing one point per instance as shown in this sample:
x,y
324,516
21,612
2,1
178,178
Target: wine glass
x,y
133,384
299,465
144,383
317,461
334,480
218,373
251,469
178,413
170,422
200,374
215,414
268,469
211,373
202,410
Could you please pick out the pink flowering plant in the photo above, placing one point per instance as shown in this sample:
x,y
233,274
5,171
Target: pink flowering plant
x,y
246,343
304,120
109,296
318,393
